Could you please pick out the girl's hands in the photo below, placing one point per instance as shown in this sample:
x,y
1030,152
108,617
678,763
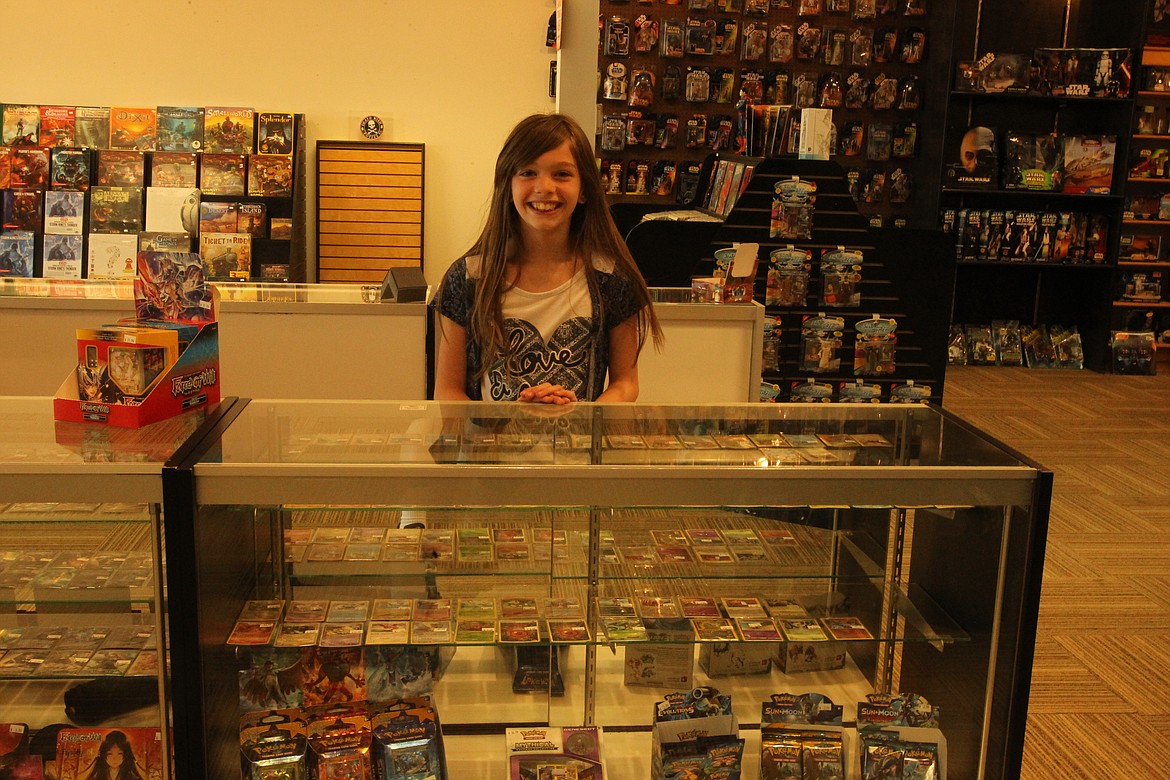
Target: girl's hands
x,y
546,393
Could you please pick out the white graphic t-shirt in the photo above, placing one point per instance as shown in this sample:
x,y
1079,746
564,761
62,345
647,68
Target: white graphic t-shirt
x,y
550,339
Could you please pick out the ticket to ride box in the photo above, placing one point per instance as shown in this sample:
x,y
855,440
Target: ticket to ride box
x,y
191,381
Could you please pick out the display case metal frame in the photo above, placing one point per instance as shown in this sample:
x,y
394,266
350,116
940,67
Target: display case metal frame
x,y
946,497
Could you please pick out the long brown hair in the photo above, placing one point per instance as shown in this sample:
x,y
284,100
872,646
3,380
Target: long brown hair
x,y
592,232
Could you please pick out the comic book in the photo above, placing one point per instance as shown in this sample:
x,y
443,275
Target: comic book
x,y
228,130
91,127
62,257
274,133
222,174
5,167
133,128
56,126
120,168
82,752
226,255
180,129
115,209
69,169
16,253
270,176
21,125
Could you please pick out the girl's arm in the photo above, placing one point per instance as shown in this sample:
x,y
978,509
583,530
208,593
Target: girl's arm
x,y
451,366
623,362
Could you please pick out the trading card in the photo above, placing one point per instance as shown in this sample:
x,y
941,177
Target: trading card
x,y
306,610
525,630
297,634
341,634
871,440
758,630
698,442
518,607
842,440
326,534
295,553
476,553
740,536
615,606
392,609
363,552
145,664
743,607
39,637
624,629
367,535
711,553
129,637
63,663
802,630
662,442
23,663
473,536
625,442
84,638
638,555
298,535
400,553
846,628
407,537
702,536
387,632
768,439
657,607
675,553
262,609
432,609
669,536
341,611
746,554
252,632
476,609
567,631
563,608
715,630
109,663
475,632
784,608
508,535
513,551
329,551
776,536
699,606
436,550
734,442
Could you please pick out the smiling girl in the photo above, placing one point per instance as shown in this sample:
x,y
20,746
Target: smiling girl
x,y
547,306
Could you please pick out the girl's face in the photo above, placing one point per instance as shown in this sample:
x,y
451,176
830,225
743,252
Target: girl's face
x,y
546,190
114,757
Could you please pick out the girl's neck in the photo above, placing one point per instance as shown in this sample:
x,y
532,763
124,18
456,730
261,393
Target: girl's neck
x,y
543,265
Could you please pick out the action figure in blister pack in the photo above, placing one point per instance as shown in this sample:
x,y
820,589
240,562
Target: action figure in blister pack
x,y
792,208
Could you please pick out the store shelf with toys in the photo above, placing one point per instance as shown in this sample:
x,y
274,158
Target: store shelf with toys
x,y
853,311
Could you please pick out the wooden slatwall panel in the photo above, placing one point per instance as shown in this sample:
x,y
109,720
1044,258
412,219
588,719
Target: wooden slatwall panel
x,y
369,209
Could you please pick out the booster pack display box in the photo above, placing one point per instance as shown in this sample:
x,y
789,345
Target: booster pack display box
x,y
138,372
85,752
555,753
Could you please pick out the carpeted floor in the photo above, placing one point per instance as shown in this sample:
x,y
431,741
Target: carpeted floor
x,y
1100,701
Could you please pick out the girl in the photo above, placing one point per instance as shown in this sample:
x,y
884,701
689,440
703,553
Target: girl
x,y
548,301
115,759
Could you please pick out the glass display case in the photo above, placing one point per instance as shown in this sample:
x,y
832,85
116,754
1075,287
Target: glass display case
x,y
529,566
83,630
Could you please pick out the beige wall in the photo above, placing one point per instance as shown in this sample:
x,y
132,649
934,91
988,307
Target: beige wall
x,y
453,74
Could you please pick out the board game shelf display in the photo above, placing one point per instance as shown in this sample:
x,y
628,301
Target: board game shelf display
x,y
84,189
